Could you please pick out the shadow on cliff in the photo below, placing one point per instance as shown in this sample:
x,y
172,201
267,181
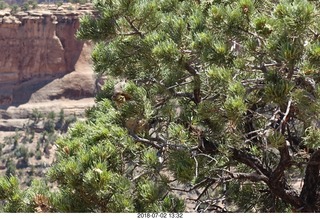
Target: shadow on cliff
x,y
76,85
79,83
73,86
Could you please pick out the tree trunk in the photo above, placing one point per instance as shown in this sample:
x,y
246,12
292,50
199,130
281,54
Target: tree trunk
x,y
311,187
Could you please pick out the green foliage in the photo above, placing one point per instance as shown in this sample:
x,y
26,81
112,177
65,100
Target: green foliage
x,y
22,151
96,163
58,3
311,138
181,165
172,204
215,96
243,195
59,124
2,145
25,7
11,168
36,116
79,1
14,8
3,5
276,140
150,159
10,191
33,3
32,200
38,155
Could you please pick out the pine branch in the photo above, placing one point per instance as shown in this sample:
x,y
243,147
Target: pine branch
x,y
136,31
212,205
197,82
181,94
253,177
179,84
278,184
130,33
213,181
278,187
250,160
285,117
146,141
261,40
196,186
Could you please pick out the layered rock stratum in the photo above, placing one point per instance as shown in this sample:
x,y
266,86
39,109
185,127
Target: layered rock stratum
x,y
42,64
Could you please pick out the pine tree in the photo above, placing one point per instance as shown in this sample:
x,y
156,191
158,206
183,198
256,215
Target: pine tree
x,y
216,96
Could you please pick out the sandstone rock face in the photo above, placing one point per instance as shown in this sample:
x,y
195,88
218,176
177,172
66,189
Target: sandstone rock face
x,y
36,45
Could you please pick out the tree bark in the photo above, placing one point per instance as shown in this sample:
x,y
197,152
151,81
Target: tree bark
x,y
276,183
197,83
310,193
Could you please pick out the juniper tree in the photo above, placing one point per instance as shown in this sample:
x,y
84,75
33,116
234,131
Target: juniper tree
x,y
221,97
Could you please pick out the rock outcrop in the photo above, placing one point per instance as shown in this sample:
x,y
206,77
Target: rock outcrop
x,y
36,46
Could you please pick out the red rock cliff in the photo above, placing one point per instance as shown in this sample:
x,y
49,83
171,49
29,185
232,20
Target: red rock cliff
x,y
36,45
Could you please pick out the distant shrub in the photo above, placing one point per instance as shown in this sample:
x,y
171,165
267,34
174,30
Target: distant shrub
x,y
68,121
38,155
22,163
33,3
36,116
1,147
25,7
79,1
14,8
71,119
31,136
38,145
22,151
3,5
31,154
51,115
16,138
70,8
7,140
60,122
29,181
31,171
11,168
49,126
59,3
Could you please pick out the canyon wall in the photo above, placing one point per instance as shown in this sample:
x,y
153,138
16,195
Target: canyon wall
x,y
36,45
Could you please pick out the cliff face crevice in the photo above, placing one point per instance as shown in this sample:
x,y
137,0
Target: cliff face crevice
x,y
36,45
